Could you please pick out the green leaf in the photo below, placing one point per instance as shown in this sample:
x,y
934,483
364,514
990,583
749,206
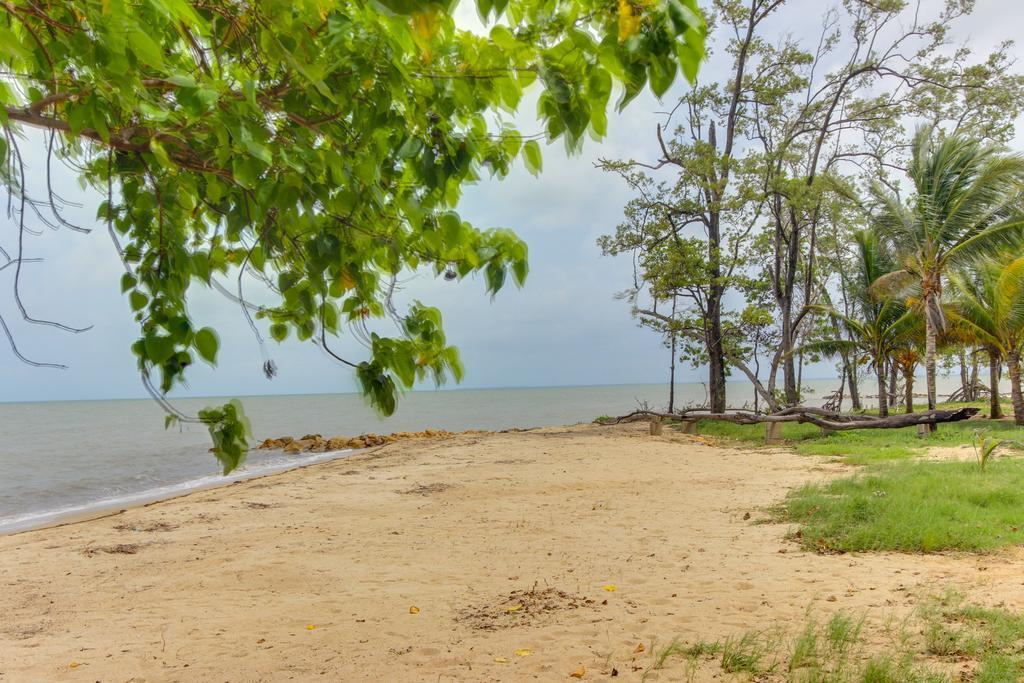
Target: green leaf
x,y
532,157
230,432
207,343
128,281
138,300
279,331
145,47
160,152
158,348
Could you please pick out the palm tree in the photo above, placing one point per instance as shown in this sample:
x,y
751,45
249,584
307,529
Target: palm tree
x,y
906,356
965,206
961,335
881,327
989,306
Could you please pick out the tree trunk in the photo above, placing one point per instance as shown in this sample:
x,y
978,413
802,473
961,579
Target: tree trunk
x,y
908,391
672,364
965,385
883,399
893,384
929,356
713,326
854,388
995,408
974,372
713,332
672,379
716,370
788,363
1013,360
800,374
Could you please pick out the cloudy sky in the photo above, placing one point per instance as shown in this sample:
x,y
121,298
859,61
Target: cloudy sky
x,y
564,328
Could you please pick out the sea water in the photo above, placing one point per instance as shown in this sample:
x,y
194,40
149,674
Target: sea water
x,y
63,459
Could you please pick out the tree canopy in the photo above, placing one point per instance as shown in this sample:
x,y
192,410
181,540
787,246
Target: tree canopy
x,y
741,224
316,147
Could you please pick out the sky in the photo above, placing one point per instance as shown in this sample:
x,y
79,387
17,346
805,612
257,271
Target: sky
x,y
565,327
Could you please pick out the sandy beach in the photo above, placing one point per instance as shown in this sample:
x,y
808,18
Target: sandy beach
x,y
492,557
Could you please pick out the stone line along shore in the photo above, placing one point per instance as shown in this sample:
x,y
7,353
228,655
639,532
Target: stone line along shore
x,y
317,443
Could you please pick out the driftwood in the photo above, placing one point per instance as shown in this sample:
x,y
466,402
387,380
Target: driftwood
x,y
929,417
834,401
979,392
803,414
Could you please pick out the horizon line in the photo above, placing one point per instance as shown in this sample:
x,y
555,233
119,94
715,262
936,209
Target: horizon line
x,y
411,391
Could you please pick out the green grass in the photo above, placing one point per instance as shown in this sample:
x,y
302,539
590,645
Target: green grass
x,y
885,669
988,640
862,446
832,652
912,507
955,631
752,653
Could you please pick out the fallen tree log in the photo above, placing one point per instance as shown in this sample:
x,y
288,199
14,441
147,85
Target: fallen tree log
x,y
816,416
929,417
821,412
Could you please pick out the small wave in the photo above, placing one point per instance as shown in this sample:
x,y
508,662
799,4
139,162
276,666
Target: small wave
x,y
41,518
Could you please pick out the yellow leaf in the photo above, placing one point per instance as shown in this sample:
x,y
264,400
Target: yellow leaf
x,y
629,23
501,660
73,665
639,648
346,280
579,673
414,610
524,652
424,24
611,588
310,627
513,608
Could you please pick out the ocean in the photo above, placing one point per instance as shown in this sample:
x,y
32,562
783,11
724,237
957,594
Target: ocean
x,y
64,459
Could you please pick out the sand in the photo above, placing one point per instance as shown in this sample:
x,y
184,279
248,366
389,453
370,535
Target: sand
x,y
477,558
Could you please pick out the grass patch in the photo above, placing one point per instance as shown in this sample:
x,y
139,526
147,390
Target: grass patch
x,y
988,640
863,446
972,631
912,507
831,652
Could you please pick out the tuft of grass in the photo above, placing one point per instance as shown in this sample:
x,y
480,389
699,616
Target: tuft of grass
x,y
805,648
843,631
748,654
704,648
999,668
886,669
943,640
954,629
912,507
659,656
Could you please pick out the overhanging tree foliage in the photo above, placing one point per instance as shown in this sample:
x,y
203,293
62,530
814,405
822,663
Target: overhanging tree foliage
x,y
318,147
